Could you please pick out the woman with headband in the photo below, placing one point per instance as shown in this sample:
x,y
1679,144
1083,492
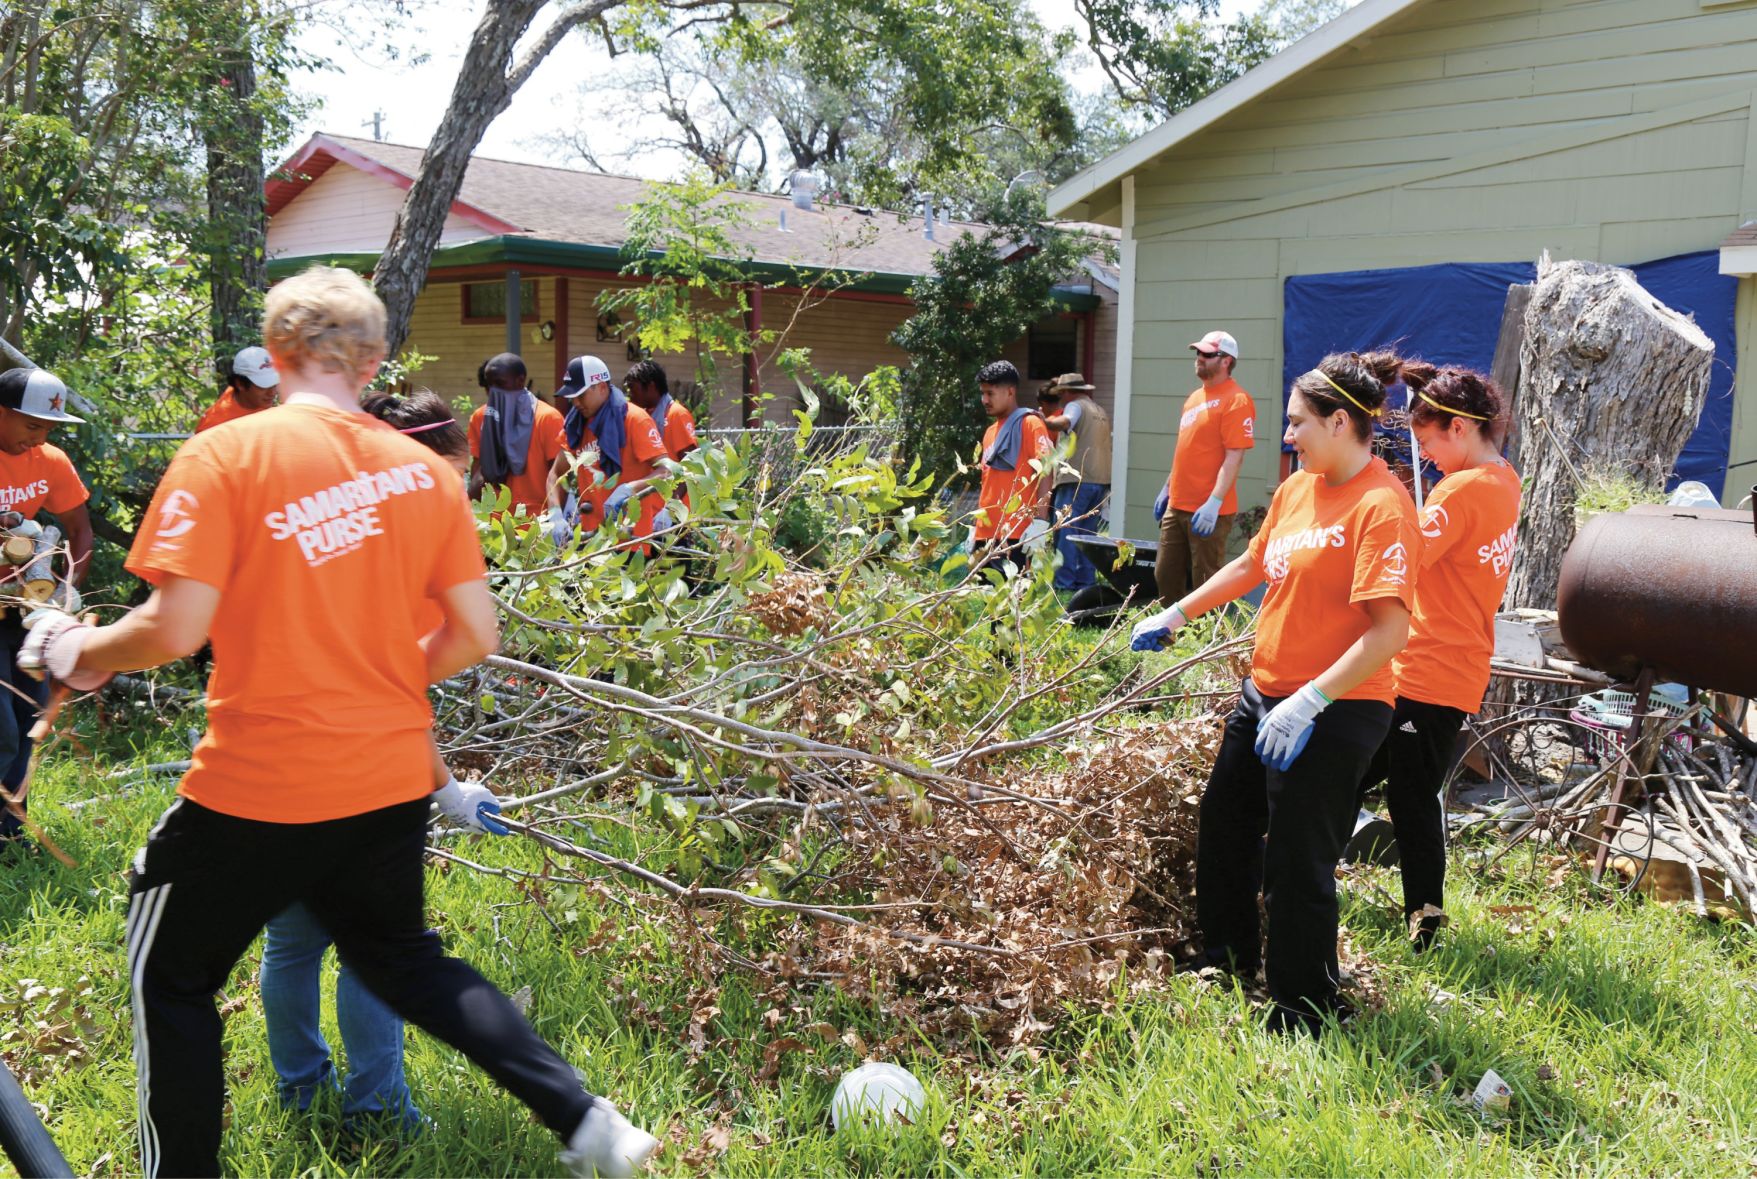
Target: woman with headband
x,y
1469,523
1338,550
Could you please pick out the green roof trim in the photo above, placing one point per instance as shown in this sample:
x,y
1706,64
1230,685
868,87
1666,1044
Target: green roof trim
x,y
514,250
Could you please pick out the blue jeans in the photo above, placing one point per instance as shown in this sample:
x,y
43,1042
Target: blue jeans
x,y
18,712
1081,503
292,956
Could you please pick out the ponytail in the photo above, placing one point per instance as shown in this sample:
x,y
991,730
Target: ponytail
x,y
1345,381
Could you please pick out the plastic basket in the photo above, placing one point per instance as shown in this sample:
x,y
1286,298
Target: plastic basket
x,y
1607,715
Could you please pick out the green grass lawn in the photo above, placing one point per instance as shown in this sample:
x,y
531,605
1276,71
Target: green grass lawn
x,y
1625,1030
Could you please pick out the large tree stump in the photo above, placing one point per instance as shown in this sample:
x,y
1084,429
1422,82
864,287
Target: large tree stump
x,y
1609,378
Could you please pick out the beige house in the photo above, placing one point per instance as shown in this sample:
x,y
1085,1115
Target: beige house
x,y
527,251
1409,133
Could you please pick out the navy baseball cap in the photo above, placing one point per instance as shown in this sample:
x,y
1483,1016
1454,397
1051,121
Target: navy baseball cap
x,y
582,373
36,393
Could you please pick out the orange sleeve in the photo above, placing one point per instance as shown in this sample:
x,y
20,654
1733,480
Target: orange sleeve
x,y
1238,424
1445,517
680,430
1038,444
458,553
1386,555
476,432
66,489
551,430
189,530
646,442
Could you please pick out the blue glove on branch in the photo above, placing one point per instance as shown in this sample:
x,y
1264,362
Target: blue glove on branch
x,y
1282,735
470,805
559,527
618,500
1202,523
1151,634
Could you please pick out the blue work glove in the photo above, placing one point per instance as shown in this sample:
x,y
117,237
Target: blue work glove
x,y
469,805
559,527
618,500
1282,735
1202,523
1151,634
1163,502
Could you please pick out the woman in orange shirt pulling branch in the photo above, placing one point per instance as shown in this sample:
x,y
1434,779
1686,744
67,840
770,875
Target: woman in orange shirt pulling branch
x,y
1338,550
1469,523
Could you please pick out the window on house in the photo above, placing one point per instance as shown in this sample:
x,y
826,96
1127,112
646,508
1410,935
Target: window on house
x,y
485,302
1052,348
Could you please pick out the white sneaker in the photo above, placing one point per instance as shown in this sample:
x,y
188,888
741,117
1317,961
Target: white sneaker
x,y
607,1145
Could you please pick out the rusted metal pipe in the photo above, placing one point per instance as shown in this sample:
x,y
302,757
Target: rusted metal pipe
x,y
1668,589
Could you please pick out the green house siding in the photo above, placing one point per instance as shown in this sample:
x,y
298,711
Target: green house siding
x,y
1460,131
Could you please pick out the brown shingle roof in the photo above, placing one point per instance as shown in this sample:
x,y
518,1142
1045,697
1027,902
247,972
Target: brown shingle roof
x,y
1744,235
561,204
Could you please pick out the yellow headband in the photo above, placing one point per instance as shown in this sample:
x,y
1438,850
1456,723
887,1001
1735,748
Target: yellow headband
x,y
1371,413
1448,409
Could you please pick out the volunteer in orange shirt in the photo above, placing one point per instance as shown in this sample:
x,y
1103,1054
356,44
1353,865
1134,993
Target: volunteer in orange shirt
x,y
1469,523
514,437
250,389
649,389
35,476
1338,550
1015,459
1196,507
627,448
304,545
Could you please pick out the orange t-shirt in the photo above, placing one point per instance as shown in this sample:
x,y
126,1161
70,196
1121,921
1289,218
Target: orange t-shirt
x,y
226,408
325,532
1214,421
1470,523
641,449
1008,499
679,432
40,479
530,488
1326,550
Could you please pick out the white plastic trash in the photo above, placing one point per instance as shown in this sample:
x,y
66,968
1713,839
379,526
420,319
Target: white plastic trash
x,y
877,1092
1493,1095
1691,494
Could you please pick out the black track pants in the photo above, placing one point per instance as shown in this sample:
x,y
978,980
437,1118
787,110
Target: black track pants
x,y
1412,762
1282,833
206,883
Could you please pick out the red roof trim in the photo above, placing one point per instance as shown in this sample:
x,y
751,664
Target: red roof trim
x,y
321,152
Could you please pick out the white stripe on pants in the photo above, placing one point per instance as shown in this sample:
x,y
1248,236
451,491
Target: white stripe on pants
x,y
144,910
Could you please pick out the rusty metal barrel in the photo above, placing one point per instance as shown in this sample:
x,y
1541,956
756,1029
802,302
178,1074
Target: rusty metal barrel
x,y
1671,589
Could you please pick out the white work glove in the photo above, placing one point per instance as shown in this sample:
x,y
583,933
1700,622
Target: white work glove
x,y
53,644
1151,634
1282,735
1202,523
469,805
1161,503
557,525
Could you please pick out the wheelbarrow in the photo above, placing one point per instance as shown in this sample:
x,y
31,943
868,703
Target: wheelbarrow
x,y
1130,582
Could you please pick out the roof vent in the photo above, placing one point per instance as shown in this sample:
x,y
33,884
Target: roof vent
x,y
927,222
784,228
803,185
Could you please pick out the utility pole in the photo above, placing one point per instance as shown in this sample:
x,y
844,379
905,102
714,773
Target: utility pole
x,y
377,125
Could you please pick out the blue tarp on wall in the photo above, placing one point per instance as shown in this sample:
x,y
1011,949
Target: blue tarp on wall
x,y
1451,314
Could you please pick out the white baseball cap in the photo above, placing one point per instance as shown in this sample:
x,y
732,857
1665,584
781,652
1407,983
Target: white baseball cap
x,y
1218,342
582,373
254,365
35,393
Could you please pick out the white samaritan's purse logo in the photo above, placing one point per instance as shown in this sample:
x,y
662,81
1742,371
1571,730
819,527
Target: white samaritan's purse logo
x,y
177,514
1250,427
1395,564
1434,521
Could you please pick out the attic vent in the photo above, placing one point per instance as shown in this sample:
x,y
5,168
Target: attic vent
x,y
803,186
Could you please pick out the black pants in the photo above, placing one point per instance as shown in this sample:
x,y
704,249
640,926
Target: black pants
x,y
206,883
23,701
1282,832
1412,762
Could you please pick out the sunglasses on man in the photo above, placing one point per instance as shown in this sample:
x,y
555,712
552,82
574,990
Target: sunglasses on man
x,y
1207,355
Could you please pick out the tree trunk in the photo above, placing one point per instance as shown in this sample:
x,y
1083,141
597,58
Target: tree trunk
x,y
482,91
1610,379
237,263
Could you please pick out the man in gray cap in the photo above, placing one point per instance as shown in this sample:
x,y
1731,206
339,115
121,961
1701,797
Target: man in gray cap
x,y
34,477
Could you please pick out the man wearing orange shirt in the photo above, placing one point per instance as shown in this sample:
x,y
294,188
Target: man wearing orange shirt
x,y
35,476
615,450
1197,505
250,389
306,547
514,437
649,389
1016,452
